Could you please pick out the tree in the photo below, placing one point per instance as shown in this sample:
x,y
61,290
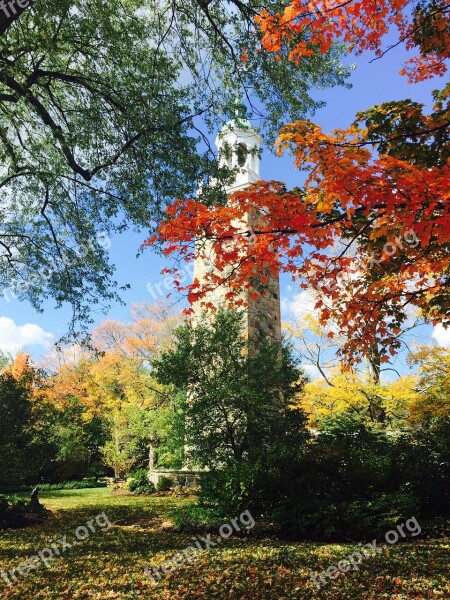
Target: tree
x,y
113,382
9,14
23,370
15,415
386,403
5,360
321,346
26,441
361,391
116,452
153,419
433,389
77,439
239,420
235,396
369,230
150,332
100,126
362,25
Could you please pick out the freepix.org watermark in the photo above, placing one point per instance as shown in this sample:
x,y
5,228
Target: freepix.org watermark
x,y
353,560
390,248
190,553
10,9
45,273
167,284
156,289
56,548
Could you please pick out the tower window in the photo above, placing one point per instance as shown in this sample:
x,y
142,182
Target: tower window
x,y
241,152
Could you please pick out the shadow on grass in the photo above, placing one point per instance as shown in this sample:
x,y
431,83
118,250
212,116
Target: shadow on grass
x,y
110,563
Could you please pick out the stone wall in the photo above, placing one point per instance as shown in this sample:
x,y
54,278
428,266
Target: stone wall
x,y
188,479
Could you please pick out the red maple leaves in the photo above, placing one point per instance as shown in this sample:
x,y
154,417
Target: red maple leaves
x,y
370,231
304,28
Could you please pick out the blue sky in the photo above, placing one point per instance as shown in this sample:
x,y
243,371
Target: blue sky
x,y
373,82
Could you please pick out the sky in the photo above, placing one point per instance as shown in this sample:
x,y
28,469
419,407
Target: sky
x,y
22,328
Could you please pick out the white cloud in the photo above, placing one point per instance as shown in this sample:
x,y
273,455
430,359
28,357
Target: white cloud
x,y
312,371
300,305
15,337
441,335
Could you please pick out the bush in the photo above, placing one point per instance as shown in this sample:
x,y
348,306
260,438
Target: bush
x,y
231,490
72,485
164,484
50,487
15,488
140,483
343,485
14,510
380,514
422,457
357,520
346,486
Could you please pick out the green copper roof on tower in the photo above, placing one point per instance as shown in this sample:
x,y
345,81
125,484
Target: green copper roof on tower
x,y
239,120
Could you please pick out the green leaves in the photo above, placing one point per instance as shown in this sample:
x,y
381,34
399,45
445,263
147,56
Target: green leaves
x,y
402,130
237,398
103,107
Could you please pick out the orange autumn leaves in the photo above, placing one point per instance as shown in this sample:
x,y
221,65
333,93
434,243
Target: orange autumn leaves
x,y
370,230
370,233
304,28
362,238
193,227
116,371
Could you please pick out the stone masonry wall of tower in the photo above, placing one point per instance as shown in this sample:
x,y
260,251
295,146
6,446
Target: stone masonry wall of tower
x,y
238,145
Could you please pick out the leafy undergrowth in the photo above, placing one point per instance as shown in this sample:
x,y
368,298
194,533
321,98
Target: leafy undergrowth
x,y
110,564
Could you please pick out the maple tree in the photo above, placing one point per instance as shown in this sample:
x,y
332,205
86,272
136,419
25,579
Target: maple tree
x,y
388,403
113,380
369,231
321,352
433,398
360,391
303,27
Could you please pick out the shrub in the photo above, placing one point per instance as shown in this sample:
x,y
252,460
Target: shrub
x,y
380,514
164,484
140,483
15,488
14,510
50,487
360,519
343,485
422,458
72,485
231,489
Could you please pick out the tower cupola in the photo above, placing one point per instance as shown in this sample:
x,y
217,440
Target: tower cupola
x,y
239,146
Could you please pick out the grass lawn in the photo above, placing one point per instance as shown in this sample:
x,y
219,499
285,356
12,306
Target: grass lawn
x,y
110,563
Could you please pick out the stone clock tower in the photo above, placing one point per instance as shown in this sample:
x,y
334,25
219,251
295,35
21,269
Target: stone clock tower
x,y
238,146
